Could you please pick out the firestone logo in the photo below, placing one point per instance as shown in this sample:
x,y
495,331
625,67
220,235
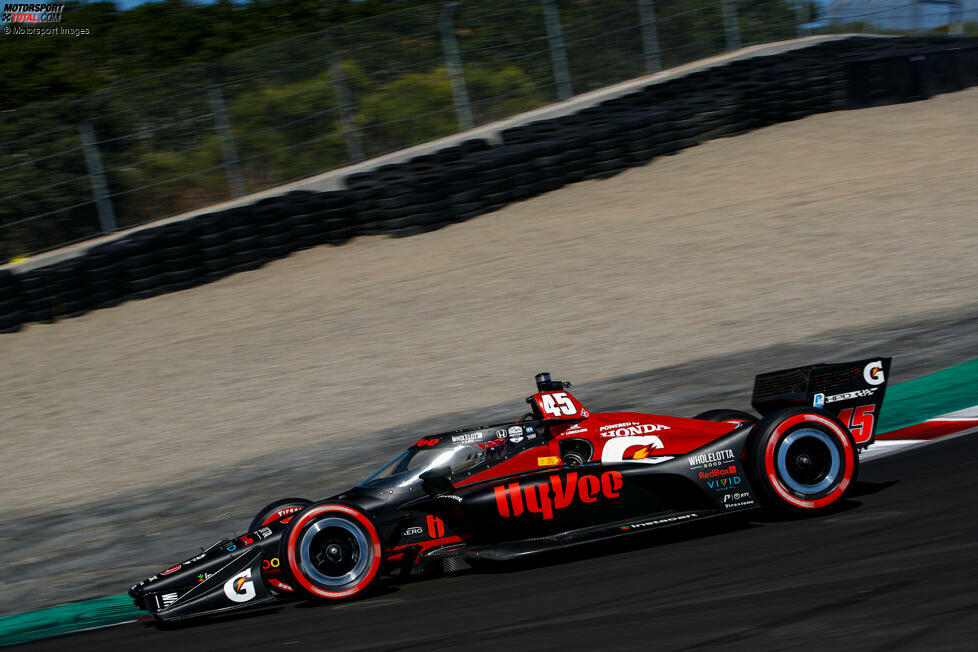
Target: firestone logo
x,y
288,510
511,499
32,13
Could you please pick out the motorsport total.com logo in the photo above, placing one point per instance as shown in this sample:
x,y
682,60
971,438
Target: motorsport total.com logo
x,y
32,13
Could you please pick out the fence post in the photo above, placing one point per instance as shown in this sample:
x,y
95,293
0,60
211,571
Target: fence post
x,y
957,27
106,216
650,38
801,15
453,63
731,26
558,55
228,150
353,143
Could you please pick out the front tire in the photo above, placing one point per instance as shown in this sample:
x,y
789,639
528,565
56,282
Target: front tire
x,y
801,460
276,511
332,551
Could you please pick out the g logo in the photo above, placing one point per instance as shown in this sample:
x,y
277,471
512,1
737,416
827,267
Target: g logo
x,y
873,373
240,588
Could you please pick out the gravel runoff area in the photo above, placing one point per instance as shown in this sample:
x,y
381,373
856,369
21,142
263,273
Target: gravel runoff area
x,y
835,222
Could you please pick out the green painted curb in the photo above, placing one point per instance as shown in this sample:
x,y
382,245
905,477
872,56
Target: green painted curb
x,y
905,404
22,628
915,401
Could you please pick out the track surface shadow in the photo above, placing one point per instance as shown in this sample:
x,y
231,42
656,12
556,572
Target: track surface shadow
x,y
892,570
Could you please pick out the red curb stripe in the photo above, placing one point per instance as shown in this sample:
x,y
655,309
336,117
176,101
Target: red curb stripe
x,y
933,429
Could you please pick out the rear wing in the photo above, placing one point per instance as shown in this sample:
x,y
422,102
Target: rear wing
x,y
852,391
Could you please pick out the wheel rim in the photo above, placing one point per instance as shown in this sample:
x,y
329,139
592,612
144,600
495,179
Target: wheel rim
x,y
808,461
335,553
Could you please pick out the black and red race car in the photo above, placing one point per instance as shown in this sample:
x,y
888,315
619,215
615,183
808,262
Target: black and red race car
x,y
560,476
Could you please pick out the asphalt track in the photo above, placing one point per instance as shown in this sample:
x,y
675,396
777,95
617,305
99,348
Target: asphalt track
x,y
893,568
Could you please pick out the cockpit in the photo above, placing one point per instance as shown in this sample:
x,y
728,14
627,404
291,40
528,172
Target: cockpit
x,y
406,468
464,453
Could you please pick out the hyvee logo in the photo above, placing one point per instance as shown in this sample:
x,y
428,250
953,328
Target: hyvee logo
x,y
32,13
630,431
510,499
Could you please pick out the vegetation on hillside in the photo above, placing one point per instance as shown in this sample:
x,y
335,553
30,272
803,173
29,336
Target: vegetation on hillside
x,y
146,80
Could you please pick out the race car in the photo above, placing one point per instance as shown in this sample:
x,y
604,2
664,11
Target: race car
x,y
560,476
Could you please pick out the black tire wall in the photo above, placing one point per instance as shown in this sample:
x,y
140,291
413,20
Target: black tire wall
x,y
464,181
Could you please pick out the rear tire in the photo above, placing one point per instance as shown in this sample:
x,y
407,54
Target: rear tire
x,y
728,416
271,512
801,460
332,551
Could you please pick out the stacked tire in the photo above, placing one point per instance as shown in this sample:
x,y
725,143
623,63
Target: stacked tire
x,y
12,313
467,180
421,195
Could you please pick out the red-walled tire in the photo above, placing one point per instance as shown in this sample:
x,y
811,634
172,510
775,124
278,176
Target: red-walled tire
x,y
276,511
331,551
801,460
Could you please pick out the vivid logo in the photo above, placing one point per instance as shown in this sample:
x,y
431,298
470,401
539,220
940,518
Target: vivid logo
x,y
557,494
724,483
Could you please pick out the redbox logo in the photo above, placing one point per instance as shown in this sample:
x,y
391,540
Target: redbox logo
x,y
716,473
510,499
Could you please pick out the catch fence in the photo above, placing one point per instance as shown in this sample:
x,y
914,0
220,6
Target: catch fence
x,y
168,143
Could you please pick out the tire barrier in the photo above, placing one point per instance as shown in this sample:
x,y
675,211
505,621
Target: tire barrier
x,y
467,180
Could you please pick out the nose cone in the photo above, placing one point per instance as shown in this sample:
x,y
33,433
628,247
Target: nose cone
x,y
182,575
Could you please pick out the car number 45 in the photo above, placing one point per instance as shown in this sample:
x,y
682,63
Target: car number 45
x,y
558,404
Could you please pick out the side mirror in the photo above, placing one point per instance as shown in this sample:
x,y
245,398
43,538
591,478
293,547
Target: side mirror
x,y
436,483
